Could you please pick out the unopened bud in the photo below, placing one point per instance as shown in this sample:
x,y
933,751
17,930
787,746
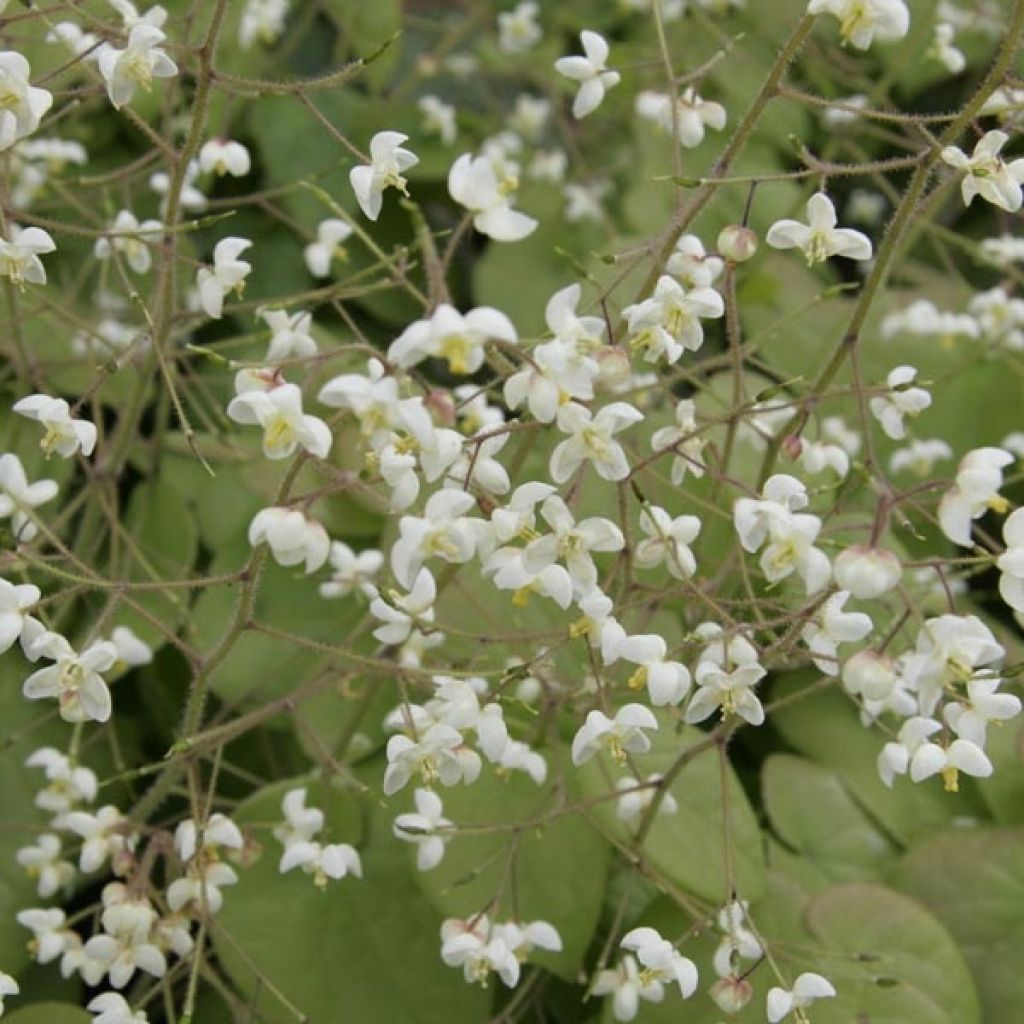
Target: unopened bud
x,y
615,369
441,408
867,572
731,994
870,674
736,243
792,447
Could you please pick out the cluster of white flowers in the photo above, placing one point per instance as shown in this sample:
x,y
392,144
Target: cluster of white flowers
x,y
467,501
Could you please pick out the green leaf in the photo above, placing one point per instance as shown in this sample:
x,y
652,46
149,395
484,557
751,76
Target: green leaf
x,y
973,881
555,872
814,814
1003,791
687,847
369,946
915,971
163,546
49,1013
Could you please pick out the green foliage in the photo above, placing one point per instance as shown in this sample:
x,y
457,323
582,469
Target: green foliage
x,y
378,936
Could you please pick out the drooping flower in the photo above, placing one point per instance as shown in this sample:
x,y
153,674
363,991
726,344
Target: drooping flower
x,y
388,161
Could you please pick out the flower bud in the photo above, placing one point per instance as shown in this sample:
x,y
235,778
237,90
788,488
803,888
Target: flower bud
x,y
870,674
441,407
615,369
737,243
867,572
731,994
792,447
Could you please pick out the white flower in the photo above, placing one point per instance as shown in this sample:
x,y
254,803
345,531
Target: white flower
x,y
64,435
529,116
113,1008
440,754
627,986
472,946
136,65
668,323
319,255
902,399
387,162
518,30
667,541
692,265
820,239
351,571
19,256
1010,563
867,572
969,716
106,835
737,942
291,536
42,862
200,888
920,456
422,828
682,438
732,691
621,734
860,21
285,426
830,627
591,439
975,490
50,937
191,197
301,823
692,115
870,675
217,831
661,961
335,860
915,753
131,17
667,682
8,987
74,679
292,337
438,117
583,202
262,21
69,784
443,532
227,275
590,71
131,650
949,650
838,114
225,156
15,601
131,239
943,50
473,183
571,543
22,106
460,339
636,797
405,611
806,989
986,174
